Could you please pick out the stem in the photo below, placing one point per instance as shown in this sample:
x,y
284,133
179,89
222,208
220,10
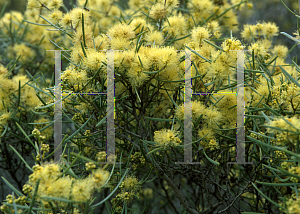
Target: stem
x,y
178,194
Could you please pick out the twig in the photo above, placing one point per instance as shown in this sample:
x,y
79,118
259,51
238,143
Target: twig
x,y
180,196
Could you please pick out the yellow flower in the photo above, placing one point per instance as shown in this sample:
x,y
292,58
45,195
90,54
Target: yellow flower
x,y
3,70
76,17
120,43
232,44
148,193
155,37
158,11
48,133
4,117
99,177
56,16
82,190
136,75
122,31
166,138
213,26
60,188
176,25
169,3
199,33
27,54
93,61
280,50
207,132
270,30
66,20
211,144
247,31
197,109
129,183
55,4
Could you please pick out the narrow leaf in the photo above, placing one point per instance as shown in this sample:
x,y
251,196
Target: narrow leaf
x,y
21,158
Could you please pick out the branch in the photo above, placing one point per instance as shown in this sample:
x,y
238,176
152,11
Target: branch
x,y
179,195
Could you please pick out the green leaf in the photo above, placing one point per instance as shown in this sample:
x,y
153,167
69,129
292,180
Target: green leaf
x,y
101,121
83,48
21,158
288,173
14,204
111,173
19,93
81,128
297,66
198,54
172,99
3,9
290,77
70,171
33,197
254,71
267,197
290,37
154,150
5,130
26,207
39,89
210,160
181,38
158,119
288,8
85,3
86,159
137,94
154,72
149,142
26,136
213,45
14,64
193,141
83,34
56,26
270,109
141,61
265,116
262,135
274,147
36,23
277,184
12,187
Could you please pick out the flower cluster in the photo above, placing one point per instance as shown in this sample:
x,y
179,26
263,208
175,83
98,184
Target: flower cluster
x,y
166,138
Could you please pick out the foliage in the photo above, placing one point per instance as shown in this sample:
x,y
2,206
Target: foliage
x,y
149,39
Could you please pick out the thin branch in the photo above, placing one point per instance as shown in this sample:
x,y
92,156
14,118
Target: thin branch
x,y
178,194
